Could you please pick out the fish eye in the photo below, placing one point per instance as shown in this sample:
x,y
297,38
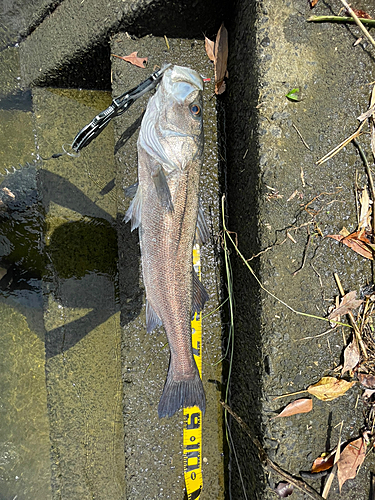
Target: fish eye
x,y
195,109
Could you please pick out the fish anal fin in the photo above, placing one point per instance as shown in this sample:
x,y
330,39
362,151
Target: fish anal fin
x,y
152,319
134,212
200,295
162,188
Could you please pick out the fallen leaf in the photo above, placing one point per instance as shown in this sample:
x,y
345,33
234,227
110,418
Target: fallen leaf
x,y
8,192
323,463
366,380
209,46
298,406
367,394
220,87
358,245
329,388
348,302
351,458
134,59
221,58
359,13
351,357
365,214
284,489
313,3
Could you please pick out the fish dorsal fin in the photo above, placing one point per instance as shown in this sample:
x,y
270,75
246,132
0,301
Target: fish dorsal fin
x,y
152,319
162,188
200,295
202,234
134,212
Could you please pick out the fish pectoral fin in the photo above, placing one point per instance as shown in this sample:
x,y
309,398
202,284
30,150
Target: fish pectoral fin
x,y
152,319
134,212
162,188
200,295
202,234
131,191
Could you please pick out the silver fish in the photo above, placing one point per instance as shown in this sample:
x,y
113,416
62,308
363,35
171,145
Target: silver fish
x,y
167,211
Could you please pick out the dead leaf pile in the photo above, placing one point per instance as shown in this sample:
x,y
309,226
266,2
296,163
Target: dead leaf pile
x,y
218,53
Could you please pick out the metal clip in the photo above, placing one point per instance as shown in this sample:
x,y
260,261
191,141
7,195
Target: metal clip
x,y
117,107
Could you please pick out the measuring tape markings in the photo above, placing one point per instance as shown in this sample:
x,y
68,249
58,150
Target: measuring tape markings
x,y
192,432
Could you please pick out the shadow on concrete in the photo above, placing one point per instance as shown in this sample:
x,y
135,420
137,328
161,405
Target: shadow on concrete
x,y
81,259
238,149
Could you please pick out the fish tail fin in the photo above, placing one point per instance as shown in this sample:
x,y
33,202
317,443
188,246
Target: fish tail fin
x,y
181,393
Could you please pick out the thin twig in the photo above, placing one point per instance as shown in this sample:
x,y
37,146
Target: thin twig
x,y
335,150
264,458
339,19
358,22
300,135
352,319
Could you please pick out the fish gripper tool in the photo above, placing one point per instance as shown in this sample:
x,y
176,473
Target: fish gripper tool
x,y
118,106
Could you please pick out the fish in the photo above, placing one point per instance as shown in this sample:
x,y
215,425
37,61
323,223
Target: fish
x,y
167,212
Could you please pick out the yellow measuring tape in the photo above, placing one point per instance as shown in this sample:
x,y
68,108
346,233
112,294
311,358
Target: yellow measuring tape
x,y
192,434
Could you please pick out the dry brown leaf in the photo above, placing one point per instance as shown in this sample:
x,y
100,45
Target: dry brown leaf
x,y
284,489
359,13
351,458
358,245
296,407
323,463
348,302
210,47
221,58
8,192
367,393
365,214
220,87
134,59
329,388
351,357
366,380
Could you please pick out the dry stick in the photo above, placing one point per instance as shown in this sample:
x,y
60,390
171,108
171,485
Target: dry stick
x,y
301,137
370,179
331,476
335,150
358,22
338,19
263,457
352,319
